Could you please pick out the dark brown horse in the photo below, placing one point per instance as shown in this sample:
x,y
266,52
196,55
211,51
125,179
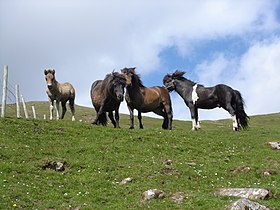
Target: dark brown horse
x,y
154,99
199,97
106,96
59,92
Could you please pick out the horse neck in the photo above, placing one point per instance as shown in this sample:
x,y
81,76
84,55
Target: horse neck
x,y
56,86
183,85
134,88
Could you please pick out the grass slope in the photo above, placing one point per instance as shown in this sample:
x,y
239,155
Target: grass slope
x,y
97,157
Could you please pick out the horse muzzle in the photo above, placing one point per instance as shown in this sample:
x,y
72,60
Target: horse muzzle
x,y
120,98
170,87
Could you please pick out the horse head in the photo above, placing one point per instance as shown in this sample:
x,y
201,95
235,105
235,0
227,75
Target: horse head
x,y
118,83
168,80
128,74
50,77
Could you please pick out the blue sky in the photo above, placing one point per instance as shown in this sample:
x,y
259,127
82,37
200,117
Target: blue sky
x,y
231,42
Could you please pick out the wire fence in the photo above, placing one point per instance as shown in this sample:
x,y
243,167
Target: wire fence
x,y
12,105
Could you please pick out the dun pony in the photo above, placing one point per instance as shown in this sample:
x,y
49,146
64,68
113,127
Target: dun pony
x,y
106,96
197,96
155,99
59,92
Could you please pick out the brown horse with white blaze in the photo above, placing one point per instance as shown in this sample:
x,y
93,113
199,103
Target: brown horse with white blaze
x,y
154,99
59,92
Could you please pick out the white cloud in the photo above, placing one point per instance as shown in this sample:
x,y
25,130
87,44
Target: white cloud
x,y
84,40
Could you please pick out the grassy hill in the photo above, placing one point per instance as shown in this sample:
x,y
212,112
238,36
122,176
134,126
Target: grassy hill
x,y
97,157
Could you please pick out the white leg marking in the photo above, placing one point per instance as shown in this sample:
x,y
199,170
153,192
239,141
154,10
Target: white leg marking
x,y
57,109
73,118
51,111
193,125
234,123
198,125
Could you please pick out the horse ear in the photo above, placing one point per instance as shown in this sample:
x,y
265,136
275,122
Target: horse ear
x,y
133,70
53,71
46,72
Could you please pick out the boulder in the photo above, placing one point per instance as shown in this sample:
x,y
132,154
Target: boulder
x,y
275,145
250,193
245,204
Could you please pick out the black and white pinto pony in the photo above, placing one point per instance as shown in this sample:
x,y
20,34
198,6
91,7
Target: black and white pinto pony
x,y
197,96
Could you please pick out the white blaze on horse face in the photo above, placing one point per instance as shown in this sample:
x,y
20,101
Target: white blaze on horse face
x,y
194,94
234,123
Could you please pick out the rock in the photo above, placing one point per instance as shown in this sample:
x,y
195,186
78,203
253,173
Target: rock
x,y
57,166
269,172
245,204
167,162
275,145
124,181
152,193
178,197
250,193
241,169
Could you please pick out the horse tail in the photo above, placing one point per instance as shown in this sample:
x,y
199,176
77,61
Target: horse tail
x,y
241,116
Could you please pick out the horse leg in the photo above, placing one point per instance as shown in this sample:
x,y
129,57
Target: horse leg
x,y
51,109
117,117
231,111
140,120
165,123
111,116
196,119
72,107
131,117
193,116
63,104
57,109
169,116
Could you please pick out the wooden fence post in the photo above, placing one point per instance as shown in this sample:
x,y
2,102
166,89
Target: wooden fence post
x,y
4,96
17,101
24,107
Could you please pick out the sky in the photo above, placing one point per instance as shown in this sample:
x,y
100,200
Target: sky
x,y
230,42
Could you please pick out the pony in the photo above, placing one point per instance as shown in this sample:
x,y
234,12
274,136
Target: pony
x,y
59,92
197,96
155,99
106,96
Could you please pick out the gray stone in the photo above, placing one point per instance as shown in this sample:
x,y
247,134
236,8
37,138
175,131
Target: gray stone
x,y
275,145
245,204
178,197
152,193
250,193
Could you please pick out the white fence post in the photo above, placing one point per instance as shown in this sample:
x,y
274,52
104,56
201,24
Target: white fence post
x,y
4,96
24,107
34,112
17,101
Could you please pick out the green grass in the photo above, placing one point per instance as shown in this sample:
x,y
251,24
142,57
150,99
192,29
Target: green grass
x,y
97,157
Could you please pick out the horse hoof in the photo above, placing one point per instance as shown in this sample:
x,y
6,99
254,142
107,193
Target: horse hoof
x,y
131,127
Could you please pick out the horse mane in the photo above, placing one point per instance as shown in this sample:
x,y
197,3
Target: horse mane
x,y
136,79
178,74
109,78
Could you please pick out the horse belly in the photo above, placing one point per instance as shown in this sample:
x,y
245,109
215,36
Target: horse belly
x,y
207,104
